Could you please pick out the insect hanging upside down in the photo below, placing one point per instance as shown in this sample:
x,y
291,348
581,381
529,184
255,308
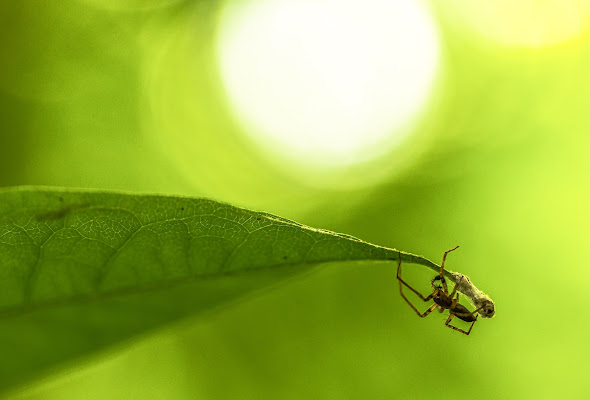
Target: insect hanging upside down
x,y
442,298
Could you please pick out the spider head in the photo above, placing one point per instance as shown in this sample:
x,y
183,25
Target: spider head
x,y
436,295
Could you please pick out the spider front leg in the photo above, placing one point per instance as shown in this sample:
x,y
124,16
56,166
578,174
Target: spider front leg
x,y
455,288
401,281
442,268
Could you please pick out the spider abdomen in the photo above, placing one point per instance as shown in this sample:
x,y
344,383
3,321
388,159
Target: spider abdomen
x,y
463,313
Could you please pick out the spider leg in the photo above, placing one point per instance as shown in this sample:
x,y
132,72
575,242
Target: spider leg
x,y
455,289
401,281
461,314
447,323
421,315
442,268
399,277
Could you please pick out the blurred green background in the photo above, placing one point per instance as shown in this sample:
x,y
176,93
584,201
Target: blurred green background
x,y
495,156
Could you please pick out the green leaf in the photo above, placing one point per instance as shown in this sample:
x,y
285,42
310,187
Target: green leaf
x,y
81,271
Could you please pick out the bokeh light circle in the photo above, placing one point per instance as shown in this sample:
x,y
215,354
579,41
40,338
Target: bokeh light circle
x,y
325,82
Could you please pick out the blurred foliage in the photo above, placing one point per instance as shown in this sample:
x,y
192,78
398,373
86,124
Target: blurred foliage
x,y
101,96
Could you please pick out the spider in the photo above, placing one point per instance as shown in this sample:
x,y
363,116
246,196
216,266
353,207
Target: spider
x,y
441,297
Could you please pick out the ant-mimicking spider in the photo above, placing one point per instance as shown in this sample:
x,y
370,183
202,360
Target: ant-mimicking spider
x,y
441,297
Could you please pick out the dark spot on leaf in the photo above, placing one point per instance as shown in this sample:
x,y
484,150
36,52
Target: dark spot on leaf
x,y
285,257
182,208
59,214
